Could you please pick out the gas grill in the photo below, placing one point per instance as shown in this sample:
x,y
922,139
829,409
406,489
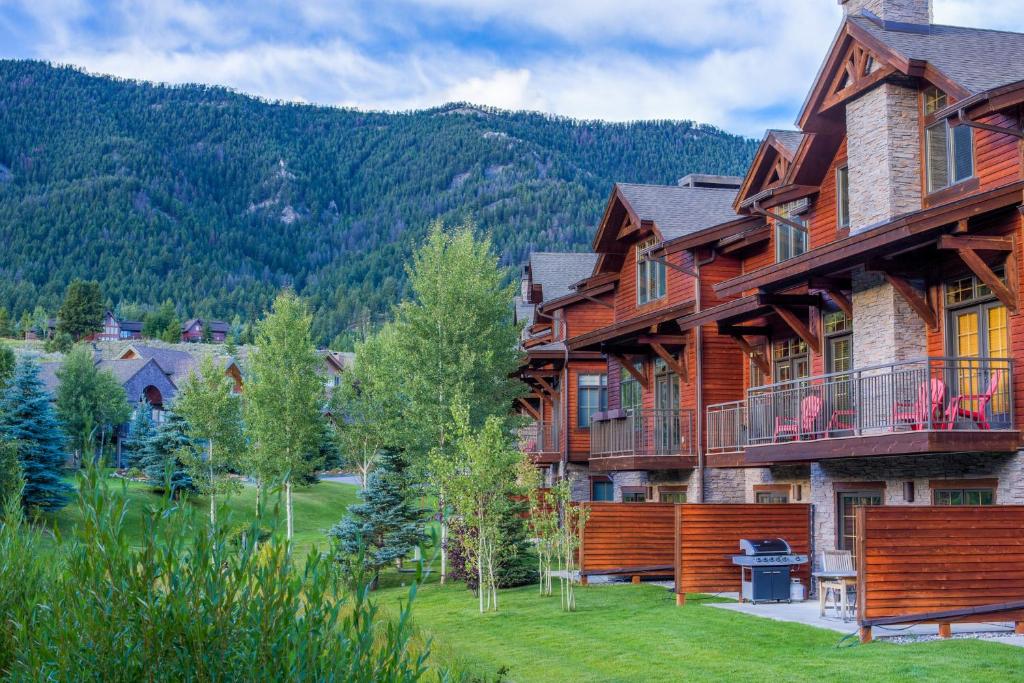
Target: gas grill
x,y
764,569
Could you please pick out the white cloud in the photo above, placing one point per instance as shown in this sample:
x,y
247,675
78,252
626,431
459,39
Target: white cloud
x,y
740,64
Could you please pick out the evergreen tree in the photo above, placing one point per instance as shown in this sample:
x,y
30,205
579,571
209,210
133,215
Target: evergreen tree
x,y
167,447
515,564
10,472
387,524
6,328
139,433
7,362
81,313
27,417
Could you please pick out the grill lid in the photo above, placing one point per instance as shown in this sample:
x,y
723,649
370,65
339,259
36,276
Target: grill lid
x,y
764,546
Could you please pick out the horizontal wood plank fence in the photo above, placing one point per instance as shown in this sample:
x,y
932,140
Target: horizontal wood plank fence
x,y
939,564
630,539
707,535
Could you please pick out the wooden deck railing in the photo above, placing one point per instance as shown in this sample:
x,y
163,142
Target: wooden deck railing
x,y
642,432
933,394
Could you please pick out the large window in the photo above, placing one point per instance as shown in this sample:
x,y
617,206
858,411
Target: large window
x,y
789,241
948,151
846,501
958,496
843,197
789,360
630,391
650,275
592,397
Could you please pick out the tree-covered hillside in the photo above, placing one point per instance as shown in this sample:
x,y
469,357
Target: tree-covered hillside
x,y
215,199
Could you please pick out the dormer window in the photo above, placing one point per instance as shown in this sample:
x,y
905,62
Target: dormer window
x,y
790,241
948,151
650,275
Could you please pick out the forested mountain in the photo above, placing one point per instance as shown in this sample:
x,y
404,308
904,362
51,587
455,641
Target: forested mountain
x,y
216,199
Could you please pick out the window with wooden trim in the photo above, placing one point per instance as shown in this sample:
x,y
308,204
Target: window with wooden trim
x,y
591,397
634,494
789,240
630,391
948,150
671,494
650,275
843,197
846,504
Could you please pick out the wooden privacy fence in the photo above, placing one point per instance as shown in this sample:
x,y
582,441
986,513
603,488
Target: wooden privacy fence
x,y
939,564
707,535
628,539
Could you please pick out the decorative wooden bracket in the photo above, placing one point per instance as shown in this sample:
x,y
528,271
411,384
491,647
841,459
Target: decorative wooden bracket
x,y
758,209
606,304
530,409
545,386
986,275
788,300
799,327
668,264
639,376
841,301
670,339
744,330
961,120
677,366
975,242
757,358
914,298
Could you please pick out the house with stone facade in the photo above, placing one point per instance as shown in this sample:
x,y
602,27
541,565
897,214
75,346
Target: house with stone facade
x,y
842,328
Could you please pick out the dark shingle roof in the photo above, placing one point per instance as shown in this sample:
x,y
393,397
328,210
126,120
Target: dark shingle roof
x,y
123,370
678,211
977,59
557,272
790,139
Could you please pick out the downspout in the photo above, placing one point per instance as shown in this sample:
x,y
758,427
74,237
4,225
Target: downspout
x,y
699,358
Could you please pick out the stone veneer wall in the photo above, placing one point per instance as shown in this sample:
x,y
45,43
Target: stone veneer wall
x,y
629,478
579,481
789,475
883,149
920,469
885,328
907,11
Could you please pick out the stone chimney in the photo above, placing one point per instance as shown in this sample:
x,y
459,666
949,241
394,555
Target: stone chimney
x,y
901,11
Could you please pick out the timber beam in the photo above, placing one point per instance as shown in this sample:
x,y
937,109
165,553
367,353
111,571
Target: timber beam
x,y
756,357
799,327
545,386
676,365
599,302
668,264
961,120
666,339
841,301
638,375
529,408
789,300
744,330
914,299
758,209
988,276
976,243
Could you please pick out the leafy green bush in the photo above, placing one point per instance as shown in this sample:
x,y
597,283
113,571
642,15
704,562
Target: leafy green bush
x,y
186,605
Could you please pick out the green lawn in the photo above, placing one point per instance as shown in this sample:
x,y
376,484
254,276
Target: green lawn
x,y
636,633
317,508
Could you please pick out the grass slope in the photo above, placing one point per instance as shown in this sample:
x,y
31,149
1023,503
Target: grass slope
x,y
636,633
317,508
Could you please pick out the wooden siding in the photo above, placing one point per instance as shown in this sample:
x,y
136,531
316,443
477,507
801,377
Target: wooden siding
x,y
919,559
708,534
587,316
678,286
627,535
997,157
579,437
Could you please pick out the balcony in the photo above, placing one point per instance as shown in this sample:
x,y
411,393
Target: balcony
x,y
540,441
642,440
934,405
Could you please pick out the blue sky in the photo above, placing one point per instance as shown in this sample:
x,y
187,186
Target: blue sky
x,y
611,59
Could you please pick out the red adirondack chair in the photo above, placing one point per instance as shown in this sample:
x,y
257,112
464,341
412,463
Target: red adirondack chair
x,y
810,408
981,401
929,403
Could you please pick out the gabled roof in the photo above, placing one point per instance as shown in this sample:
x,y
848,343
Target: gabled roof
x,y
676,211
176,364
772,163
789,139
556,273
976,59
124,370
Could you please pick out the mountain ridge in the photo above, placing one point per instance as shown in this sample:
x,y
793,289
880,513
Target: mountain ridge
x,y
215,199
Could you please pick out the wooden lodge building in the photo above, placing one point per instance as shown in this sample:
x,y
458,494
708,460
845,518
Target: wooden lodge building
x,y
839,327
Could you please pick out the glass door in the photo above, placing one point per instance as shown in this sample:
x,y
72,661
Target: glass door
x,y
839,361
666,410
846,502
980,332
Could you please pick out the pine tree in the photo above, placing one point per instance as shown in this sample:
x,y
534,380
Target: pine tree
x,y
515,565
6,328
10,471
7,362
139,433
27,417
82,311
164,449
388,524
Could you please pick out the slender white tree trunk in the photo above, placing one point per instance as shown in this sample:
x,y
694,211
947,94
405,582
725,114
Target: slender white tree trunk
x,y
213,487
288,507
480,586
444,537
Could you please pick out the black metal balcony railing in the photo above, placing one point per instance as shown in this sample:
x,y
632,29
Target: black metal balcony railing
x,y
642,432
538,437
934,394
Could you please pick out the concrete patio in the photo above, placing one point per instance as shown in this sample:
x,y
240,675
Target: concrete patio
x,y
806,613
